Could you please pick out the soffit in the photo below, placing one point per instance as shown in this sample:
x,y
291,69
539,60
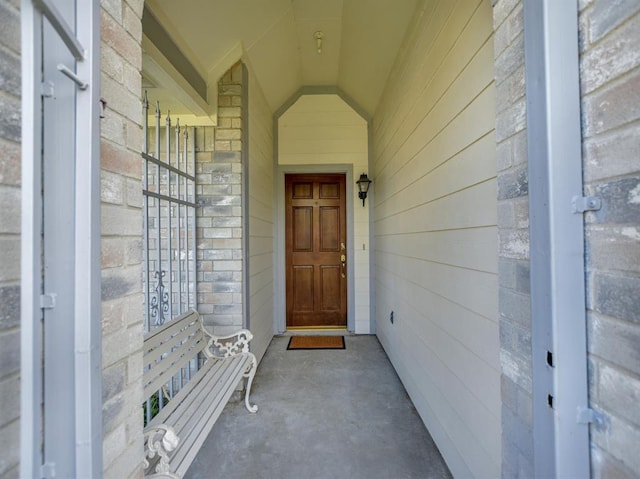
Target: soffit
x,y
360,41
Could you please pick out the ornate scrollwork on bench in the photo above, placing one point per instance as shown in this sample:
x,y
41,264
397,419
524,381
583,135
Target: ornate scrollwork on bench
x,y
226,346
160,440
232,345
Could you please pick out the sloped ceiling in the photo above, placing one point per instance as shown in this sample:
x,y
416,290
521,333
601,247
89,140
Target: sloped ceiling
x,y
360,41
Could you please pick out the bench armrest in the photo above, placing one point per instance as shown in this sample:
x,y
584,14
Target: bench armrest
x,y
160,441
226,346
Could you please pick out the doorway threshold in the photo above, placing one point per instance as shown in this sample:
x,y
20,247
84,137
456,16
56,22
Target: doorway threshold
x,y
301,330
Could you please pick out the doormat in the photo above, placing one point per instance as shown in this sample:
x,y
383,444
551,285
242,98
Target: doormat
x,y
316,342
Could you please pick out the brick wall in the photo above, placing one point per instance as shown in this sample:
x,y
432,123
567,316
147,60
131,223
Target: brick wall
x,y
121,193
9,237
219,214
610,90
513,225
610,84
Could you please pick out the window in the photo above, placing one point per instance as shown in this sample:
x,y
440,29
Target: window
x,y
169,215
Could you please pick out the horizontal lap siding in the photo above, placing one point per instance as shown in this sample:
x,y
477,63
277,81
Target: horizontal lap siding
x,y
261,214
435,231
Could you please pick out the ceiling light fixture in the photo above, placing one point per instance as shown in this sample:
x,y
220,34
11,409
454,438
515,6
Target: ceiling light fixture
x,y
318,36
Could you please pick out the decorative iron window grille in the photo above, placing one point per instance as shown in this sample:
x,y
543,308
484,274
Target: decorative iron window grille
x,y
169,215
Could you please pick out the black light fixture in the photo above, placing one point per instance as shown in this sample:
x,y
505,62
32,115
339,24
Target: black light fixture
x,y
363,186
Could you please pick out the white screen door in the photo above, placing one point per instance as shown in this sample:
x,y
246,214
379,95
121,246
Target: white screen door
x,y
61,433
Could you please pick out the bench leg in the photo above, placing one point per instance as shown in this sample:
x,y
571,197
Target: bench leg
x,y
160,441
250,374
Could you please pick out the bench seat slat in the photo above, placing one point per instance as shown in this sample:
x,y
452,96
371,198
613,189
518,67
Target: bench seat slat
x,y
161,374
208,390
210,369
176,401
169,329
151,355
199,422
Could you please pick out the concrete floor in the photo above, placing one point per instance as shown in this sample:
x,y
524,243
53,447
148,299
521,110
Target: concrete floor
x,y
322,414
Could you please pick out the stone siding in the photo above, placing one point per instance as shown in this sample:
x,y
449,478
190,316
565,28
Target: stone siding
x,y
121,194
513,224
219,214
9,237
610,84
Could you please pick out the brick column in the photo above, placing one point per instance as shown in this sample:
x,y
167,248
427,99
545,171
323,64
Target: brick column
x,y
219,233
121,194
513,227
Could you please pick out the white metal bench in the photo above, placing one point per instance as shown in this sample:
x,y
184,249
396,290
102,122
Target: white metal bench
x,y
174,436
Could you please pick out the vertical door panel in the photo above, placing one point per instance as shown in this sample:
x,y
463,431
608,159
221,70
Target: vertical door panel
x,y
303,288
330,300
329,228
303,229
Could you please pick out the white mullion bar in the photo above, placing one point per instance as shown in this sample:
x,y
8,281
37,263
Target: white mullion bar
x,y
88,338
186,227
160,295
169,222
178,229
158,222
177,206
62,28
145,210
31,245
192,261
180,242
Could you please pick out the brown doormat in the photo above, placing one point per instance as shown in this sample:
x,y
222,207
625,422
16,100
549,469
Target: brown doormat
x,y
316,342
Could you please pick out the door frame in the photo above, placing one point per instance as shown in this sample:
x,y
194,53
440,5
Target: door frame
x,y
280,305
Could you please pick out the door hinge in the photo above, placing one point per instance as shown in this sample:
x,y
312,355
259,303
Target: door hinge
x,y
48,470
580,204
47,89
48,301
590,416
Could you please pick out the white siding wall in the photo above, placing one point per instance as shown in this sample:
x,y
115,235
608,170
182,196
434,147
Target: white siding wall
x,y
435,231
261,214
321,130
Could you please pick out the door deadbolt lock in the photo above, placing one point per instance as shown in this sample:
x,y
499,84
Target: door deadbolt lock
x,y
343,258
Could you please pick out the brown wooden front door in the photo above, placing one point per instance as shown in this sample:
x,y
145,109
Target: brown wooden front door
x,y
316,250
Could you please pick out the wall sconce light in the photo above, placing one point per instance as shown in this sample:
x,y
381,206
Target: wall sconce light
x,y
318,36
363,186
